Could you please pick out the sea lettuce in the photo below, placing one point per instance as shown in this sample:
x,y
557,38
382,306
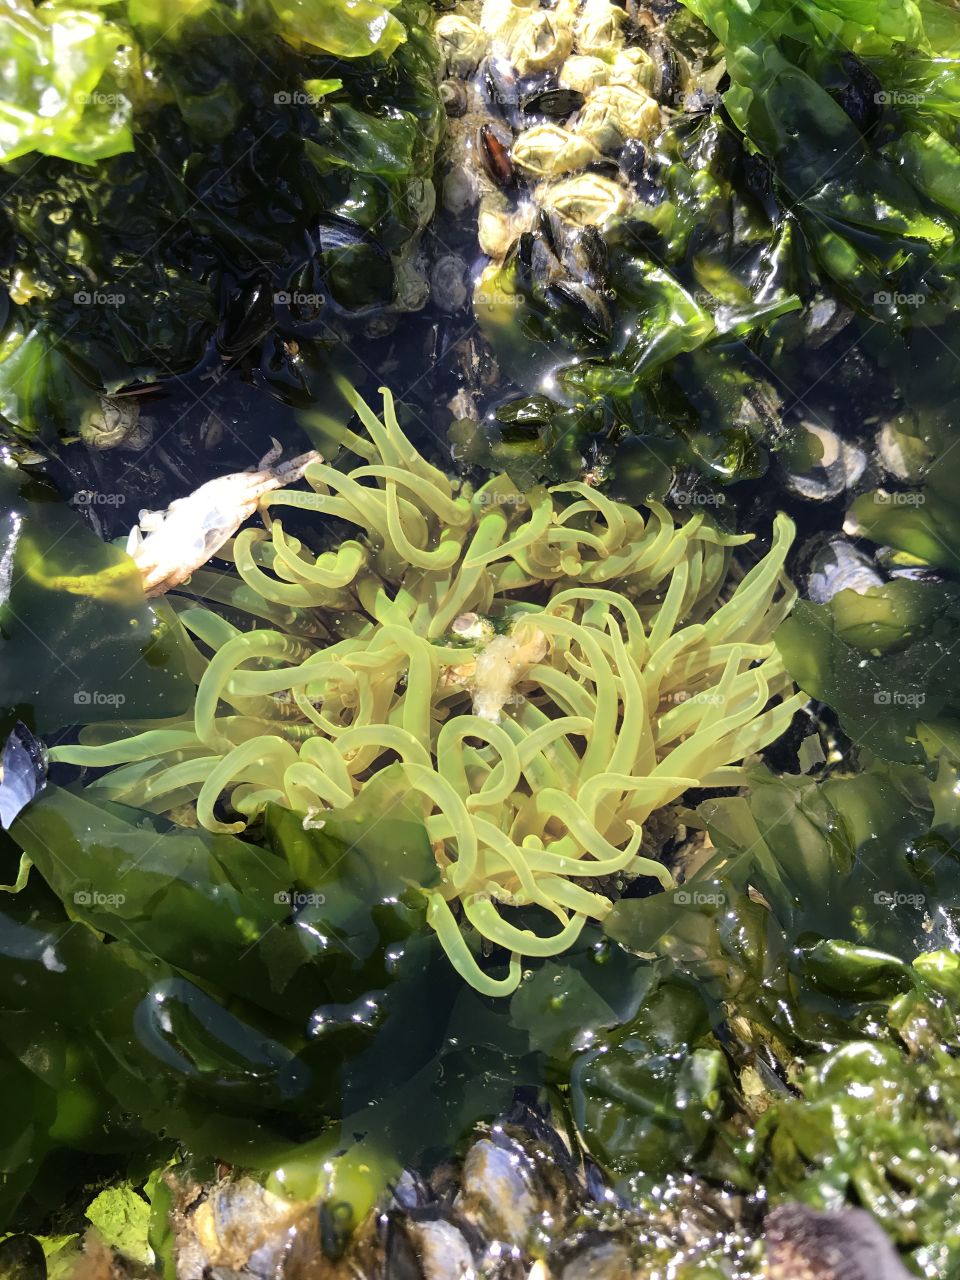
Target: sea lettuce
x,y
828,93
162,206
884,659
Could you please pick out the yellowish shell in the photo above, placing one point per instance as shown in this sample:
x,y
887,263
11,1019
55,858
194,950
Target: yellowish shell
x,y
548,150
498,225
599,29
615,113
634,68
540,42
461,42
500,18
584,73
586,200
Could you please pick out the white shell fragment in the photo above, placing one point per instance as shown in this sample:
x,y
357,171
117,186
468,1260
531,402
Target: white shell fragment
x,y
191,530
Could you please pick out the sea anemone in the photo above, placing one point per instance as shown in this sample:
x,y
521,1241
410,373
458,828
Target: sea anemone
x,y
546,668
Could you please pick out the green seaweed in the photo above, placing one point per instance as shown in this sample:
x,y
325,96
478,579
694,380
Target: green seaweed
x,y
206,209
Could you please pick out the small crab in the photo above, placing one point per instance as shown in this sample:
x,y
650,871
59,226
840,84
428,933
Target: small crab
x,y
191,530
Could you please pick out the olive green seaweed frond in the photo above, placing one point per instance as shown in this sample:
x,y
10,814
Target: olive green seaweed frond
x,y
547,669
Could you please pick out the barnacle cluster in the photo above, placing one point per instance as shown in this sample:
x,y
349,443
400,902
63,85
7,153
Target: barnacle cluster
x,y
555,107
547,669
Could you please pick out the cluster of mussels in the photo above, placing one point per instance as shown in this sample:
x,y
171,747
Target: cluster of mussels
x,y
550,110
518,1206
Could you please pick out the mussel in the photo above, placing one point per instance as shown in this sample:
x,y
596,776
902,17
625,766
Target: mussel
x,y
556,104
495,156
862,96
584,304
247,319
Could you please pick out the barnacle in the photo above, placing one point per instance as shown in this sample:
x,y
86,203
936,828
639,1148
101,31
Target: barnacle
x,y
547,669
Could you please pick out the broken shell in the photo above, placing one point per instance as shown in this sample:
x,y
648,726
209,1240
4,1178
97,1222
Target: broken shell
x,y
461,42
548,151
599,28
540,42
114,422
448,283
586,200
584,74
498,225
905,456
584,254
838,566
828,464
673,74
615,113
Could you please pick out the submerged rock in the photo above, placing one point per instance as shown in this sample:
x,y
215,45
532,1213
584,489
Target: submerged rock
x,y
806,1244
